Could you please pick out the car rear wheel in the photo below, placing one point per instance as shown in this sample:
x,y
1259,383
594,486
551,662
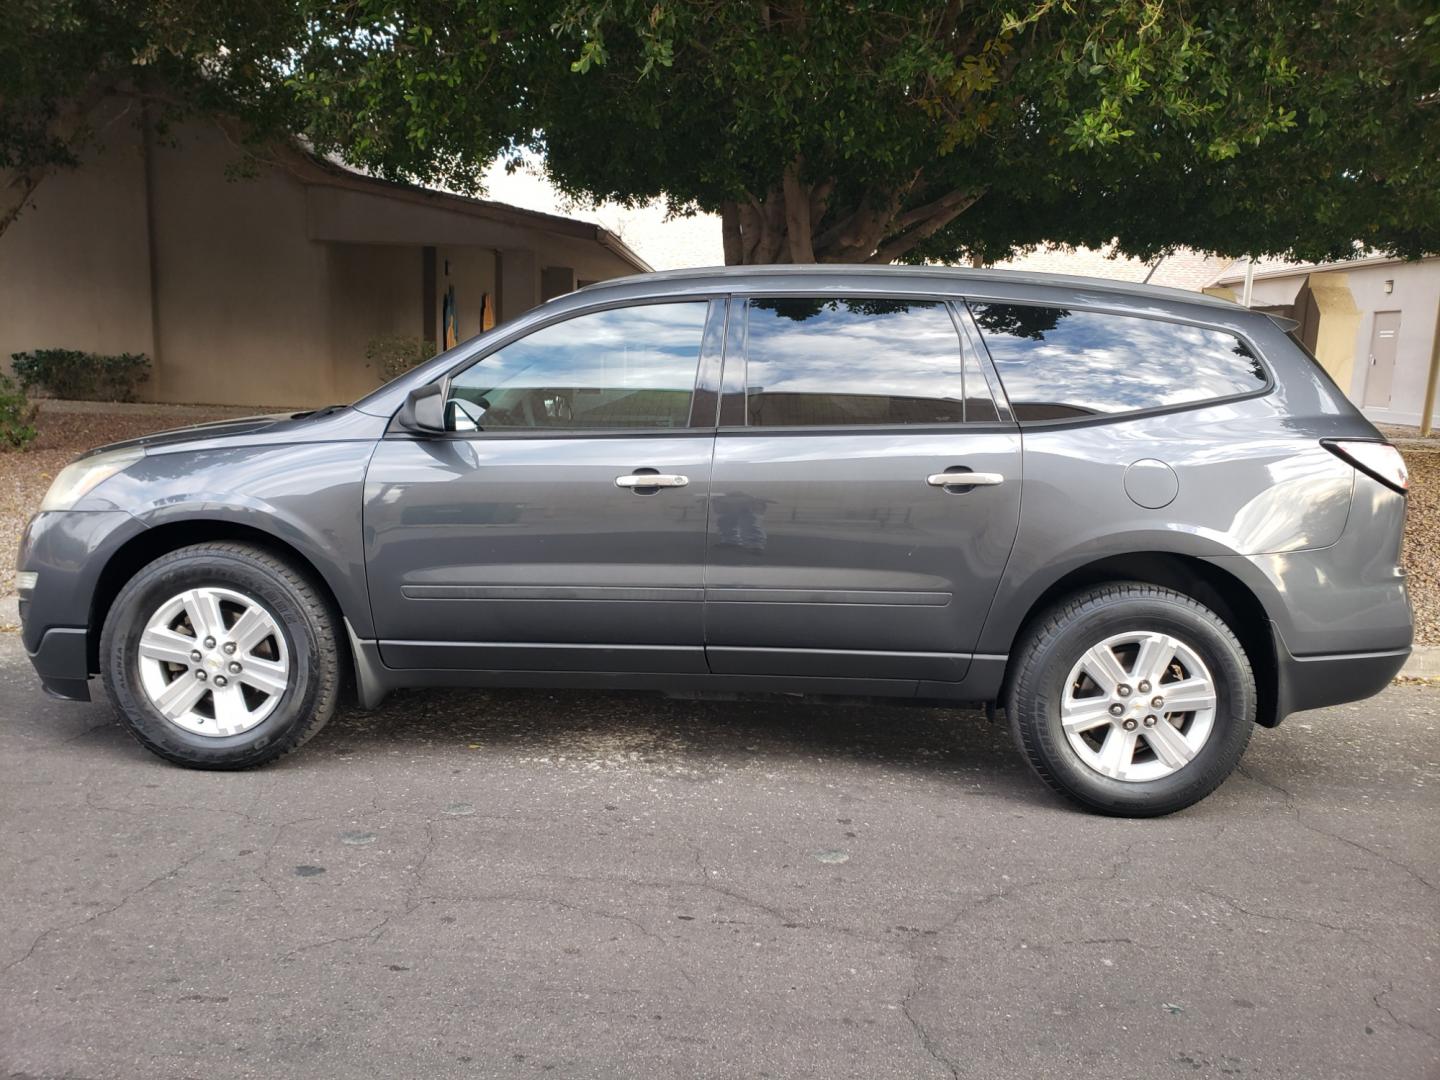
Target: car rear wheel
x,y
1132,700
221,656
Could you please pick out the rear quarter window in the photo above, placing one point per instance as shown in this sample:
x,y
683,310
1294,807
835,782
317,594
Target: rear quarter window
x,y
1058,364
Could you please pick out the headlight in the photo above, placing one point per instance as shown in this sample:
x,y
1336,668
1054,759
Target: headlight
x,y
81,477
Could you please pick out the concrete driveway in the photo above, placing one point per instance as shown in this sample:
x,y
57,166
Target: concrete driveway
x,y
601,885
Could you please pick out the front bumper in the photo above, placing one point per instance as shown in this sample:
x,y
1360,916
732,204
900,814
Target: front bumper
x,y
62,662
68,552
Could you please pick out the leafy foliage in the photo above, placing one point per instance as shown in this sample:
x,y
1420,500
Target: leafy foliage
x,y
82,376
394,355
885,129
832,130
17,416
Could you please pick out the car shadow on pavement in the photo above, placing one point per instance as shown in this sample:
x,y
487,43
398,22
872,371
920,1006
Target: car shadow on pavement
x,y
601,729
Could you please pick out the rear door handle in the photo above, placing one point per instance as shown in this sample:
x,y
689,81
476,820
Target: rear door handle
x,y
652,480
964,479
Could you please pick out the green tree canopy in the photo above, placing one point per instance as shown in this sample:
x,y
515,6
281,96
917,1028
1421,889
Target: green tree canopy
x,y
855,130
831,130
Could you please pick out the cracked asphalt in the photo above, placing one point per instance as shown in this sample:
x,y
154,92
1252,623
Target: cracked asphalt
x,y
526,884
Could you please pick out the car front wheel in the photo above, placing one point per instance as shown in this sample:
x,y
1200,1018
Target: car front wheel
x,y
1132,699
221,656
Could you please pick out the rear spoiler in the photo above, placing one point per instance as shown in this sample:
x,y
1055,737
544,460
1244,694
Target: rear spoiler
x,y
1288,325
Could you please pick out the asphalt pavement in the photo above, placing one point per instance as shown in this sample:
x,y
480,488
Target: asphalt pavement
x,y
517,884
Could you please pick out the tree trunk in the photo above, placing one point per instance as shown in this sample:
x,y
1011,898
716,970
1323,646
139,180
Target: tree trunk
x,y
795,222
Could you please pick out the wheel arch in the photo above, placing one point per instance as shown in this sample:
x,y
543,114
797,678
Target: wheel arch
x,y
1216,588
147,546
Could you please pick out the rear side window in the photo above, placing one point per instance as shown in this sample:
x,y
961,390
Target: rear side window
x,y
1057,364
831,363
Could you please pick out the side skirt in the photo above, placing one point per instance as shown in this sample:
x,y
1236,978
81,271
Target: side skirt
x,y
374,680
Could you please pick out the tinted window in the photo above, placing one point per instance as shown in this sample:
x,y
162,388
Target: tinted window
x,y
622,368
844,362
1059,364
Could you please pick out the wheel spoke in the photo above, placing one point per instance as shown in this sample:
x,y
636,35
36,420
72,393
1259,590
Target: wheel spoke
x,y
231,713
167,646
264,675
1188,695
1118,753
204,611
1102,665
180,696
1153,658
1169,744
253,627
1082,714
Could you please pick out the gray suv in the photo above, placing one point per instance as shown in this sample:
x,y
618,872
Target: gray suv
x,y
1140,520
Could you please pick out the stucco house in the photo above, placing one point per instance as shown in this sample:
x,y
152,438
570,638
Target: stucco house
x,y
267,289
1372,321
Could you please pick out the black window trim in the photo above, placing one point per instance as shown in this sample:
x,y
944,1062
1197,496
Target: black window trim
x,y
707,373
1107,309
737,358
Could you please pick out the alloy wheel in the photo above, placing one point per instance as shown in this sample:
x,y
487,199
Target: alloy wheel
x,y
1138,706
214,661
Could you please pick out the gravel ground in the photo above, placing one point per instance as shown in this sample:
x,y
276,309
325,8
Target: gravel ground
x,y
1422,542
68,428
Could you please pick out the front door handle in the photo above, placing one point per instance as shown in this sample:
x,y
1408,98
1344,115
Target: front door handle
x,y
964,479
652,480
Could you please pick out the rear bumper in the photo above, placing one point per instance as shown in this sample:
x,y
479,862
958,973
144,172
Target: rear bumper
x,y
1315,682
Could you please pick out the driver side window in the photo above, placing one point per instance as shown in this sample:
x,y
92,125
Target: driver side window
x,y
622,368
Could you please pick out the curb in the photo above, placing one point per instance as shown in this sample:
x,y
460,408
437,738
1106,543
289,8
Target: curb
x,y
1424,663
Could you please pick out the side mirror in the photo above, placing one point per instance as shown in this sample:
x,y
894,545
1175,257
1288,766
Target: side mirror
x,y
424,408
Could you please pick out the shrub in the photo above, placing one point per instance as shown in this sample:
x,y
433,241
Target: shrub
x,y
394,355
17,416
82,376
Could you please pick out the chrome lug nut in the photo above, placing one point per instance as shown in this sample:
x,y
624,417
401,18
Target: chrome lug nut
x,y
1123,690
229,646
1129,724
1116,709
195,655
220,680
209,642
1145,687
1149,721
234,668
201,676
1156,701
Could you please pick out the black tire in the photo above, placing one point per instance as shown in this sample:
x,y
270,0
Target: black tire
x,y
305,618
1055,643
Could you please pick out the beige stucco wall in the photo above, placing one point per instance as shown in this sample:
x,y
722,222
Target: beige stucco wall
x,y
74,268
267,289
1415,294
243,294
375,291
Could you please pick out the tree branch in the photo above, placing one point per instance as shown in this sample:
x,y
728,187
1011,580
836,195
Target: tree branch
x,y
905,241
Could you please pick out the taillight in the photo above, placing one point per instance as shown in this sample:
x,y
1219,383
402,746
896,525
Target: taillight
x,y
1377,459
